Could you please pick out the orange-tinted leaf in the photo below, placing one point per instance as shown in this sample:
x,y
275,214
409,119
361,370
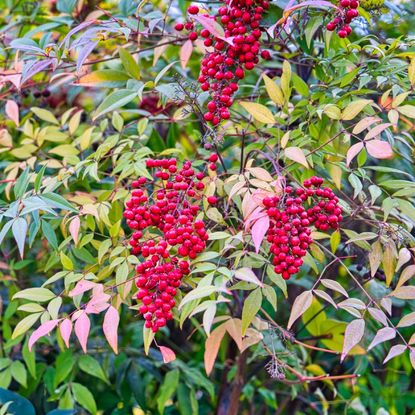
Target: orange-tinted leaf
x,y
168,354
212,347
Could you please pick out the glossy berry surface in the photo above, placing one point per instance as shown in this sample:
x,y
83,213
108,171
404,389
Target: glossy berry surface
x,y
292,217
166,234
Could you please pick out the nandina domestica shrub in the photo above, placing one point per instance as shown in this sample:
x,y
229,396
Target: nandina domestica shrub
x,y
207,207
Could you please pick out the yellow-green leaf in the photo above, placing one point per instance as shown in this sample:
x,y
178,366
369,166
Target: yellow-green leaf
x,y
252,304
260,112
273,90
354,108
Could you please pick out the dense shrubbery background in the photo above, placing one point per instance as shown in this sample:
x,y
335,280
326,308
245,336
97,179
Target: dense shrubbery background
x,y
91,90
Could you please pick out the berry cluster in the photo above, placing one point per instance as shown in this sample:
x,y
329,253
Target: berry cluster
x,y
162,214
348,11
291,218
229,57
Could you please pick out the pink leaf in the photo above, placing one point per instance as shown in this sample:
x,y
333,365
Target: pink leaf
x,y
395,351
352,336
65,329
214,28
185,53
110,327
379,149
378,315
74,228
387,333
12,111
412,357
82,326
81,287
168,354
98,302
374,132
41,331
353,151
258,212
259,230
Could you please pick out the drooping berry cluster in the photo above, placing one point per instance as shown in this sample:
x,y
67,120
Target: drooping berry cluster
x,y
228,57
347,12
291,218
162,214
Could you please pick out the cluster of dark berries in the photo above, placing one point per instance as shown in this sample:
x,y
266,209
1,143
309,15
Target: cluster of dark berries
x,y
348,11
291,218
162,214
228,58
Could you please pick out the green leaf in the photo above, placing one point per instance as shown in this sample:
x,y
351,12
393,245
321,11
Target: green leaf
x,y
270,295
64,365
167,389
129,63
300,85
39,295
49,233
58,201
44,115
19,373
92,367
252,304
66,261
21,184
19,229
39,177
116,99
24,325
84,397
30,360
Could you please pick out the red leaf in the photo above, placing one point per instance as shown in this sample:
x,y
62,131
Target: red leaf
x,y
74,228
110,327
81,287
82,326
65,329
168,354
12,111
258,231
41,331
185,53
353,151
379,149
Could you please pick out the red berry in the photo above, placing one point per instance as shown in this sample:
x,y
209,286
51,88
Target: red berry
x,y
265,55
179,27
212,200
342,33
193,9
